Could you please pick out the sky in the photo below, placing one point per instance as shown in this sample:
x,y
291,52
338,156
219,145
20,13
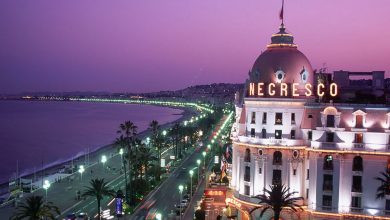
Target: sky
x,y
153,45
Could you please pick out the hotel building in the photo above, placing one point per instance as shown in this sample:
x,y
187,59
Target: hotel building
x,y
312,132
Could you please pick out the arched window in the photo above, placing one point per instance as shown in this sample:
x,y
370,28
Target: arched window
x,y
328,162
277,158
357,164
247,157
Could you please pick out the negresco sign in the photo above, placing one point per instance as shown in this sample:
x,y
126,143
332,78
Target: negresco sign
x,y
292,89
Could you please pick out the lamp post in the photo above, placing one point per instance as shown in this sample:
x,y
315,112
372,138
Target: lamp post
x,y
103,160
81,171
46,186
181,193
204,159
158,216
198,162
191,174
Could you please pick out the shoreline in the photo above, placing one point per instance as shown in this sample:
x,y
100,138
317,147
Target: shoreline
x,y
94,156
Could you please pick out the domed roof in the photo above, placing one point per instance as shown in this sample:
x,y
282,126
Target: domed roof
x,y
282,62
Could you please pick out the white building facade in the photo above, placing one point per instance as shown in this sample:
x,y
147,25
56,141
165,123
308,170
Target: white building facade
x,y
329,153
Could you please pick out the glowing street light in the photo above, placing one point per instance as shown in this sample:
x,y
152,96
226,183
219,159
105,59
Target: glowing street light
x,y
191,174
46,186
181,193
103,160
164,132
204,159
158,216
81,171
209,146
198,162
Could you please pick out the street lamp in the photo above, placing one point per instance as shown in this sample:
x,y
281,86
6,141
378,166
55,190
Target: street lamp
x,y
204,159
209,146
81,171
191,174
181,193
158,216
164,132
46,185
198,162
103,160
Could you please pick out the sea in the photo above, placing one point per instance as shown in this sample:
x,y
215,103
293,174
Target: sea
x,y
33,133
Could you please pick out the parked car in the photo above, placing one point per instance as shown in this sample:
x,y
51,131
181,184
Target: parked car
x,y
82,216
70,216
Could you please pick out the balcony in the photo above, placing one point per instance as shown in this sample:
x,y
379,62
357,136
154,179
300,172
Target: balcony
x,y
356,210
327,187
358,145
271,141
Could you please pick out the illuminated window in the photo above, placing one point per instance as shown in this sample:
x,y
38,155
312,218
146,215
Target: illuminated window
x,y
358,137
293,118
292,134
264,117
253,132
279,118
359,121
328,182
276,177
253,118
357,163
328,162
247,157
277,159
247,174
278,134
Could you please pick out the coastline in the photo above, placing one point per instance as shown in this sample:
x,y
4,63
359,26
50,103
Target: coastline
x,y
94,156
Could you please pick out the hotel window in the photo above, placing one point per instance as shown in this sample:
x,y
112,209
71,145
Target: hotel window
x,y
387,208
263,133
328,182
307,174
359,121
247,157
264,117
357,164
359,138
356,202
260,170
328,162
307,193
253,118
253,132
277,160
276,177
278,134
309,116
356,183
330,121
326,200
329,137
246,190
279,118
247,174
293,118
294,172
309,135
292,134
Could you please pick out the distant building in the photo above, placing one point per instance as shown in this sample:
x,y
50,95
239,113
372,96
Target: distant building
x,y
324,135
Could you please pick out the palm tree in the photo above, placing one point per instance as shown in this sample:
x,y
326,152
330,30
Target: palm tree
x,y
158,143
175,134
384,187
121,142
98,188
128,131
145,157
277,198
34,208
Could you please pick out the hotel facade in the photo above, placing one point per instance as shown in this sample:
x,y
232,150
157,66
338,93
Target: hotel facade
x,y
313,132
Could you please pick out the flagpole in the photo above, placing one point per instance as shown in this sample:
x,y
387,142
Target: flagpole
x,y
282,12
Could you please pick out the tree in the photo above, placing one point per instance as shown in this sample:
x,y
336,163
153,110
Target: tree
x,y
277,198
98,188
34,208
384,187
200,214
128,132
144,159
175,134
158,143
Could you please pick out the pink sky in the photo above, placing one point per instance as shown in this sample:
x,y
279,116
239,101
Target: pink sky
x,y
152,45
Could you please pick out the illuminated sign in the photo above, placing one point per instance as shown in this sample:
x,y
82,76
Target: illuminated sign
x,y
234,202
287,90
119,207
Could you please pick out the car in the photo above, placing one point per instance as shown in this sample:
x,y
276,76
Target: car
x,y
184,202
82,216
70,216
